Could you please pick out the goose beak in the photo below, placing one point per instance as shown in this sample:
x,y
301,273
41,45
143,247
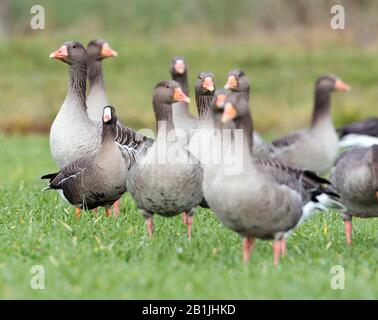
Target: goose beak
x,y
376,194
220,100
180,66
231,83
341,86
179,96
229,113
208,84
106,51
60,53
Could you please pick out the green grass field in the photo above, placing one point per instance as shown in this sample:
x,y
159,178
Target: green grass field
x,y
107,258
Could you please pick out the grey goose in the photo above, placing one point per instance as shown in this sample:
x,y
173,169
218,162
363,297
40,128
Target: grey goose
x,y
99,179
264,199
239,85
355,176
166,180
314,148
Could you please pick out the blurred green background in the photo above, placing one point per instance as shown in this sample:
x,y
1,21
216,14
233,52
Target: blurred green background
x,y
282,45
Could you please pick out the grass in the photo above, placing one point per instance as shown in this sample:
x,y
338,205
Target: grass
x,y
108,258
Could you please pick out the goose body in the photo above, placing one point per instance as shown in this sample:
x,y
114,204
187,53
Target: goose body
x,y
166,181
314,148
355,176
99,179
363,133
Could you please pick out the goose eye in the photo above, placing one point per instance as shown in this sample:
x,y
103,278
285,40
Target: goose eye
x,y
74,46
167,86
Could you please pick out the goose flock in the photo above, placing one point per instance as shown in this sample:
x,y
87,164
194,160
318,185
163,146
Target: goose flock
x,y
259,189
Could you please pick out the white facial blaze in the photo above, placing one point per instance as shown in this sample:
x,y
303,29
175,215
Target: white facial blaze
x,y
107,114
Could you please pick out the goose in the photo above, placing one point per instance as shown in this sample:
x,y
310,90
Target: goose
x,y
95,180
73,134
261,198
238,83
166,180
314,148
182,117
204,93
363,133
97,50
355,176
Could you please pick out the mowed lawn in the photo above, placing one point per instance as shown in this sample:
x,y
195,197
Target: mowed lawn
x,y
107,258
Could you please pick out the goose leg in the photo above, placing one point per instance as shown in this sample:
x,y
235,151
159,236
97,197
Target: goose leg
x,y
189,222
276,252
150,226
116,208
283,247
108,212
247,248
348,228
78,212
348,231
184,218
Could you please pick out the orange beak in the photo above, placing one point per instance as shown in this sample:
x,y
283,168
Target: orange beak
x,y
60,53
341,86
376,194
208,84
229,113
220,100
180,66
231,83
106,51
179,96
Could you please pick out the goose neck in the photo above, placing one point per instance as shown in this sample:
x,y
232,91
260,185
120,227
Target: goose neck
x,y
321,107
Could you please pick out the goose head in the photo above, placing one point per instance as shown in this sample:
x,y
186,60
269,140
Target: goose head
x,y
234,108
99,49
205,84
71,52
330,82
178,66
237,81
168,92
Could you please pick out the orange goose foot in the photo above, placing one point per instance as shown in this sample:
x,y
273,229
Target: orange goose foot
x,y
247,248
348,231
78,212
